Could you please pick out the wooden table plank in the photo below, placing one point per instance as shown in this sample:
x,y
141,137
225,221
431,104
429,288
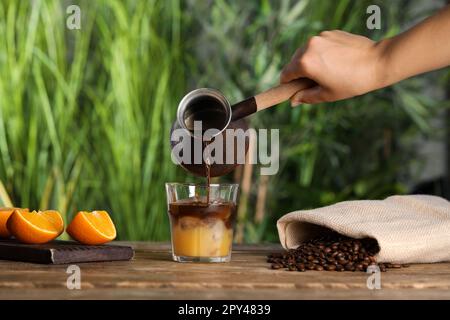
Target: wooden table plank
x,y
153,275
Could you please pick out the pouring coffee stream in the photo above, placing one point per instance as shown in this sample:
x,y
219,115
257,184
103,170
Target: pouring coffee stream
x,y
212,109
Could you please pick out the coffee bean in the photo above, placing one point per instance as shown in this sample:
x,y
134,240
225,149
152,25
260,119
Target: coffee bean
x,y
300,266
331,252
318,268
330,267
349,267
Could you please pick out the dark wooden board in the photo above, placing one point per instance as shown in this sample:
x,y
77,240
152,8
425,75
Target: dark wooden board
x,y
62,252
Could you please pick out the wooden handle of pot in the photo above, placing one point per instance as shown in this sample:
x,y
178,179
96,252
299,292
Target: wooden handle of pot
x,y
281,93
269,98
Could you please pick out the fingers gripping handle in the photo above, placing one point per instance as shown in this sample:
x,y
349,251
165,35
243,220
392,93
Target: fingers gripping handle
x,y
269,98
281,93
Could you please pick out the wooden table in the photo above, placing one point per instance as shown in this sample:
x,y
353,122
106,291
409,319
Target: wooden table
x,y
153,275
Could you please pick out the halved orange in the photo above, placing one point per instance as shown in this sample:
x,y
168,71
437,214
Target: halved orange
x,y
5,213
36,226
92,228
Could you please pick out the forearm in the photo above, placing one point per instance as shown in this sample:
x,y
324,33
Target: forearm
x,y
423,48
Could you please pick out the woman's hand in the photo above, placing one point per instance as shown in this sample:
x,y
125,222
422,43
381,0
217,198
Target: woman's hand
x,y
345,65
342,64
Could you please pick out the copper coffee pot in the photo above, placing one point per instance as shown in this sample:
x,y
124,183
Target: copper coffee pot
x,y
212,108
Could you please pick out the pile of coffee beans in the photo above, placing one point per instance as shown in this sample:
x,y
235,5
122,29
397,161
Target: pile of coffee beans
x,y
331,253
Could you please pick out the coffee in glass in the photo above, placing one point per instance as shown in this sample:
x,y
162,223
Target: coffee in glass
x,y
201,230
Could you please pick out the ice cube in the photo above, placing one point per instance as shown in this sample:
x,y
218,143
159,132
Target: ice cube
x,y
217,229
189,222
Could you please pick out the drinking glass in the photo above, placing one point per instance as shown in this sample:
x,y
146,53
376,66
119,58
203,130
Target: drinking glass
x,y
202,220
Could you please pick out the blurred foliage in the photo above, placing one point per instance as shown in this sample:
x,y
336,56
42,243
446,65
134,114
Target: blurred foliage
x,y
85,114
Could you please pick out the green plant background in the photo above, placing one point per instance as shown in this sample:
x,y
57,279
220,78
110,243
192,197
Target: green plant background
x,y
85,114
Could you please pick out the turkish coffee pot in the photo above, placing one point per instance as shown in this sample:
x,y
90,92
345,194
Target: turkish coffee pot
x,y
214,111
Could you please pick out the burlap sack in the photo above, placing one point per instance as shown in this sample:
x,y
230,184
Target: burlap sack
x,y
409,229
